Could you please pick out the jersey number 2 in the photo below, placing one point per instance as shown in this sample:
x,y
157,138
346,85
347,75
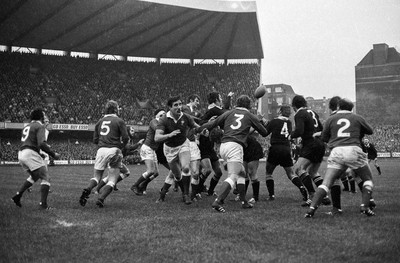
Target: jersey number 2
x,y
345,123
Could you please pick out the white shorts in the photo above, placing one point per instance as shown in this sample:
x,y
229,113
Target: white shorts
x,y
146,153
30,160
172,152
103,157
344,157
194,152
231,152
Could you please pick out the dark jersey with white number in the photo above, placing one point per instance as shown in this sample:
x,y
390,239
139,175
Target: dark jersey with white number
x,y
236,124
307,123
110,131
280,129
344,129
33,135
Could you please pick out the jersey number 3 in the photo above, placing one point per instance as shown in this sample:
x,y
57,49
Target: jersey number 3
x,y
239,117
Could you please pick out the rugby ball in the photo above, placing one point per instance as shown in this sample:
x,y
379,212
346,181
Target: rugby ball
x,y
260,91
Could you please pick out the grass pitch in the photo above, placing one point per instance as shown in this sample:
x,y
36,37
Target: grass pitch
x,y
134,228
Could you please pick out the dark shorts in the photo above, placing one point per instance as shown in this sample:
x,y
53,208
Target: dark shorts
x,y
253,151
313,150
207,149
280,155
160,155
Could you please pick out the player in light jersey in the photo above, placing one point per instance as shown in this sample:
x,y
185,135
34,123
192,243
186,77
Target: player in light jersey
x,y
110,135
236,124
33,140
342,131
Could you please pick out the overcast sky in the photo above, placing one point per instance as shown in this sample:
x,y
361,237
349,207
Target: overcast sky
x,y
314,45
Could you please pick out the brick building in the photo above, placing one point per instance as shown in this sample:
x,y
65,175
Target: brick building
x,y
378,85
276,96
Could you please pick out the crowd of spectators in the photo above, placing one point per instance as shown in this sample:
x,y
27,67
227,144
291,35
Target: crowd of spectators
x,y
74,90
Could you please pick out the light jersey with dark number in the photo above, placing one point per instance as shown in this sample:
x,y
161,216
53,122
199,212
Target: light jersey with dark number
x,y
33,135
149,140
280,129
307,123
344,129
168,124
236,124
109,131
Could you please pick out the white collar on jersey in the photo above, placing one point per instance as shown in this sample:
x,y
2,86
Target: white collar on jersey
x,y
37,122
343,111
302,108
282,118
112,115
241,108
212,105
169,115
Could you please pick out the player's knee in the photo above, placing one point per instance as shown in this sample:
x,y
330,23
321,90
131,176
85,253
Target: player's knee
x,y
185,170
30,179
369,185
324,187
231,182
206,171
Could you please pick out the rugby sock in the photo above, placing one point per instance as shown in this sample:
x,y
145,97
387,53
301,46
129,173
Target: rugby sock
x,y
92,184
106,191
143,185
317,180
379,169
100,185
24,187
225,190
270,186
345,183
241,188
256,189
44,192
140,180
247,185
335,196
213,184
307,182
165,188
297,182
186,184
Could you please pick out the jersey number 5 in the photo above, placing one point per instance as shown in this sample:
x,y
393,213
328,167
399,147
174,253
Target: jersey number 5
x,y
105,129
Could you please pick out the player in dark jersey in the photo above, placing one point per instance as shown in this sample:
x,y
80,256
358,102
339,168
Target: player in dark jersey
x,y
209,158
313,149
251,160
172,129
236,124
149,156
342,131
280,152
111,136
369,148
32,141
129,149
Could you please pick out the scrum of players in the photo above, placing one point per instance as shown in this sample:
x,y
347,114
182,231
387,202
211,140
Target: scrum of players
x,y
190,145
